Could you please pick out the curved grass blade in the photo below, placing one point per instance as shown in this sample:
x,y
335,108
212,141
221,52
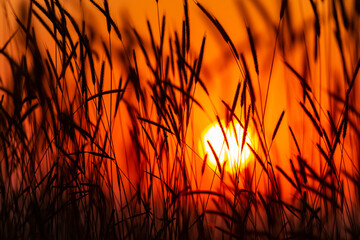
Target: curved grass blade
x,y
220,28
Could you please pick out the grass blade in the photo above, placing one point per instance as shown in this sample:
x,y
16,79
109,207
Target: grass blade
x,y
316,125
293,136
215,155
253,50
156,124
278,125
220,28
302,80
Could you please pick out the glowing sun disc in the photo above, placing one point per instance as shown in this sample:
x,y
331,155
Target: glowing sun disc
x,y
236,159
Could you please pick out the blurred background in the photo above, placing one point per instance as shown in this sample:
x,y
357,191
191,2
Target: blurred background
x,y
307,57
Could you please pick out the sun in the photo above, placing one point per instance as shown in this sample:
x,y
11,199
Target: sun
x,y
227,150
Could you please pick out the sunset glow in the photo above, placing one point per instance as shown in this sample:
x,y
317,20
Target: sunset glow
x,y
232,155
181,119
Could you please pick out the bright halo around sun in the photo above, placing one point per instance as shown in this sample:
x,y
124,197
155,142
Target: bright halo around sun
x,y
231,152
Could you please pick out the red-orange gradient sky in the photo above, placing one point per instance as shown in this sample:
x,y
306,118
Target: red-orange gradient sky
x,y
220,72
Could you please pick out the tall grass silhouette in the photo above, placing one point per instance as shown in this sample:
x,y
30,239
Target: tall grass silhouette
x,y
100,123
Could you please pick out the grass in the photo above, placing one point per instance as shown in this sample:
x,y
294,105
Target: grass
x,y
98,125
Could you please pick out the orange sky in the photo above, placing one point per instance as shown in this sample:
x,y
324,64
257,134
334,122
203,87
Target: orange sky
x,y
220,72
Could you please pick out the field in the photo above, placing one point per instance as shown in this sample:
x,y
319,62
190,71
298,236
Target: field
x,y
179,119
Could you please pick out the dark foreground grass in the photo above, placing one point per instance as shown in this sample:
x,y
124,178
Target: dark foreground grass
x,y
95,133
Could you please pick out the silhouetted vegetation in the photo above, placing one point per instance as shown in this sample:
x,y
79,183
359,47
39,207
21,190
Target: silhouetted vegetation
x,y
96,138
